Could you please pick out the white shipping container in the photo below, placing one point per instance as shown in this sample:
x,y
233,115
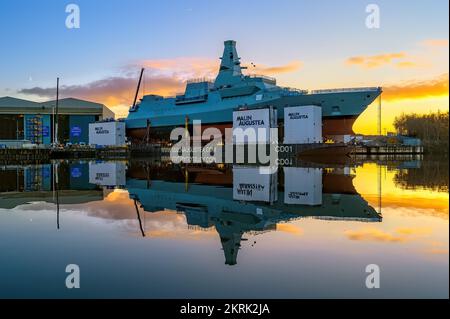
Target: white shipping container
x,y
107,133
249,184
246,125
107,174
303,186
303,125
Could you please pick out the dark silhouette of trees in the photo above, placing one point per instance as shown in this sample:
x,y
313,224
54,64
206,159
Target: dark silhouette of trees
x,y
432,175
431,128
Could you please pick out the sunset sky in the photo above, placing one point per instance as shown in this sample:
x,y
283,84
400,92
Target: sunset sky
x,y
304,44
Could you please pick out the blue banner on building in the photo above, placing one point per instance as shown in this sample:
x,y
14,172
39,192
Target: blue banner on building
x,y
75,131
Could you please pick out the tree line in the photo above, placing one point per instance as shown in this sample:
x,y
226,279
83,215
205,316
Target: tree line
x,y
431,128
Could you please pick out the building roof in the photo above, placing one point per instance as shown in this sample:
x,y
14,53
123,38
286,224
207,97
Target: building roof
x,y
9,102
74,103
72,106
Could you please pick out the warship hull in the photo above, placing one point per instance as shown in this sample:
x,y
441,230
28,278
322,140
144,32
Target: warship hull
x,y
213,103
340,110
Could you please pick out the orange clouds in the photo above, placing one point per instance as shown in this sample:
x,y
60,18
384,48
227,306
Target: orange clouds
x,y
400,60
400,235
406,64
436,43
373,234
413,231
380,60
438,248
115,92
273,70
182,68
164,77
418,89
438,251
186,68
290,228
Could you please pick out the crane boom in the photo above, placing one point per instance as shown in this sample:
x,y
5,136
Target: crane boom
x,y
138,87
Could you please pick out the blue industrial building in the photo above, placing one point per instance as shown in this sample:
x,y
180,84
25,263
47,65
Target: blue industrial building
x,y
33,122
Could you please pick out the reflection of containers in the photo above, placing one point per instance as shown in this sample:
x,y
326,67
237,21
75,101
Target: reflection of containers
x,y
303,125
303,186
107,174
107,133
253,126
249,184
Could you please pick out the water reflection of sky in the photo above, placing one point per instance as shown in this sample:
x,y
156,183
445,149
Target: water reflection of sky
x,y
297,258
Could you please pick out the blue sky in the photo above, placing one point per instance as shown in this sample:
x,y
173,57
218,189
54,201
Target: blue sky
x,y
36,47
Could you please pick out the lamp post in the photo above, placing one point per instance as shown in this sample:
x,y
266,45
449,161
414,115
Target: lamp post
x,y
56,112
53,126
379,115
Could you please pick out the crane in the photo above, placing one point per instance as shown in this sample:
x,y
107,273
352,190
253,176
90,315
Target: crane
x,y
138,87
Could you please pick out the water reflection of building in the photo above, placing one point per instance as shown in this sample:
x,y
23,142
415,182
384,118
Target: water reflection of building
x,y
226,199
38,183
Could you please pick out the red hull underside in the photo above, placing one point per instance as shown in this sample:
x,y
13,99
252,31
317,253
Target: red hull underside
x,y
331,128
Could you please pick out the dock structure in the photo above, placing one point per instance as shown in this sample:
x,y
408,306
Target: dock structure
x,y
24,155
88,153
45,154
387,149
320,150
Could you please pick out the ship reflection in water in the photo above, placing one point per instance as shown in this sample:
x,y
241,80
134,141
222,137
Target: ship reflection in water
x,y
314,212
241,199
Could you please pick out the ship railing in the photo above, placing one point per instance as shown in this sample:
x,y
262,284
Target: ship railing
x,y
293,91
199,80
184,99
287,91
264,77
341,90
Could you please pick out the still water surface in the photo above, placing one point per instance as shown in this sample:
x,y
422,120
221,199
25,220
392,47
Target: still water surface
x,y
144,229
